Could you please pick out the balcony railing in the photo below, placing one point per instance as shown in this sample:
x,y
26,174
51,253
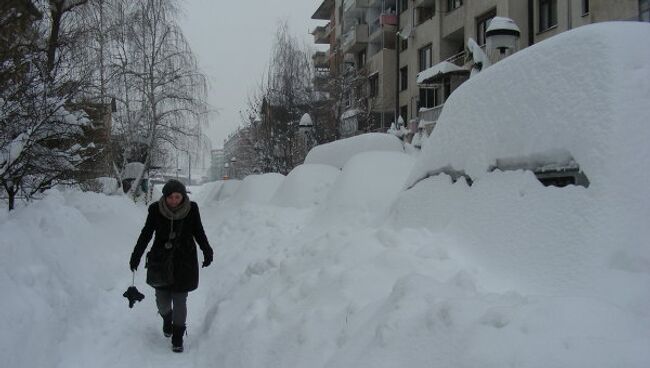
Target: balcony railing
x,y
321,34
321,59
356,38
382,21
457,59
388,19
430,115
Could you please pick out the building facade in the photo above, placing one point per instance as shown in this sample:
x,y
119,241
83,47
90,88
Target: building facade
x,y
390,42
217,169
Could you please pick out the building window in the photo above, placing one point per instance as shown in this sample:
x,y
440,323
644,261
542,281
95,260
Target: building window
x,y
482,24
358,92
454,4
403,112
447,88
424,57
373,81
361,59
547,14
424,13
644,10
403,78
585,7
403,45
403,6
427,98
347,100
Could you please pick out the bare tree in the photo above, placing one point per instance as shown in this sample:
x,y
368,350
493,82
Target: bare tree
x,y
348,88
143,64
41,129
286,95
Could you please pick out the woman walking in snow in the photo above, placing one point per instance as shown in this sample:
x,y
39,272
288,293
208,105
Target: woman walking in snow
x,y
172,264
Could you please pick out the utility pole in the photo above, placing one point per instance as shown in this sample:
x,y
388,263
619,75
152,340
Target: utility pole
x,y
189,168
397,69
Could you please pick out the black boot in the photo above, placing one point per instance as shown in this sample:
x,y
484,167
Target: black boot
x,y
177,338
167,323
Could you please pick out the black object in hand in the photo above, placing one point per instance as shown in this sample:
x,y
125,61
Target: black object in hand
x,y
133,295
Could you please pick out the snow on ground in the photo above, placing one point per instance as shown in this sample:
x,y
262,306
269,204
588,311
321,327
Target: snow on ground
x,y
357,272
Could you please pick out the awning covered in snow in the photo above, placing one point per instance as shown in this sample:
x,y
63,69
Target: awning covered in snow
x,y
440,70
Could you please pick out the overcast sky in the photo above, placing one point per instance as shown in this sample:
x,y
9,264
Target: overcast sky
x,y
232,40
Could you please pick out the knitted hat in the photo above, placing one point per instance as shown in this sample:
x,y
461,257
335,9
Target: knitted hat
x,y
174,186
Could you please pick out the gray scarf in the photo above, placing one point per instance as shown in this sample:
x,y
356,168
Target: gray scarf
x,y
177,213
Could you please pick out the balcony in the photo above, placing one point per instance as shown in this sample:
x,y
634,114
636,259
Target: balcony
x,y
321,60
386,23
324,11
321,34
356,39
430,115
459,58
321,80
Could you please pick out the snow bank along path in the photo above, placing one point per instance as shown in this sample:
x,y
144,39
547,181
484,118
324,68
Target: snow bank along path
x,y
503,273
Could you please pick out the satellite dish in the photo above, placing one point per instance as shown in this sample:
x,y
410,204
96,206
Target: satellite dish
x,y
405,33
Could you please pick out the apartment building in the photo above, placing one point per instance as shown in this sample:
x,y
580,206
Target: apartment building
x,y
393,41
217,164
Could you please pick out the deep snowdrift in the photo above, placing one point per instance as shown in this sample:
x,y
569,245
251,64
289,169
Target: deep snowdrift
x,y
578,93
306,186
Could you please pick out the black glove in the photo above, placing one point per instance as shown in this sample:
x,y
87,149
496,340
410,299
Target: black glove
x,y
134,262
207,259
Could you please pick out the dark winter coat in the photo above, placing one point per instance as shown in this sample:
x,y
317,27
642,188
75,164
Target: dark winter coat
x,y
186,265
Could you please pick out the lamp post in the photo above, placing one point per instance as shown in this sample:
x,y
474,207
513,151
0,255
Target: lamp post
x,y
232,165
189,168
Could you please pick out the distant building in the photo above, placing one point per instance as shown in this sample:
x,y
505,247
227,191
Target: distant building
x,y
217,170
238,155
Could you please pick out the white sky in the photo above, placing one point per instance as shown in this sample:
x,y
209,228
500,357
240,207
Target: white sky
x,y
232,40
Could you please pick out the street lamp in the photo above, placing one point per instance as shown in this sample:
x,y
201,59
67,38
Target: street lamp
x,y
502,34
232,165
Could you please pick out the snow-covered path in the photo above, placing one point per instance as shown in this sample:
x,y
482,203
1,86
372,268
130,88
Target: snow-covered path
x,y
287,290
